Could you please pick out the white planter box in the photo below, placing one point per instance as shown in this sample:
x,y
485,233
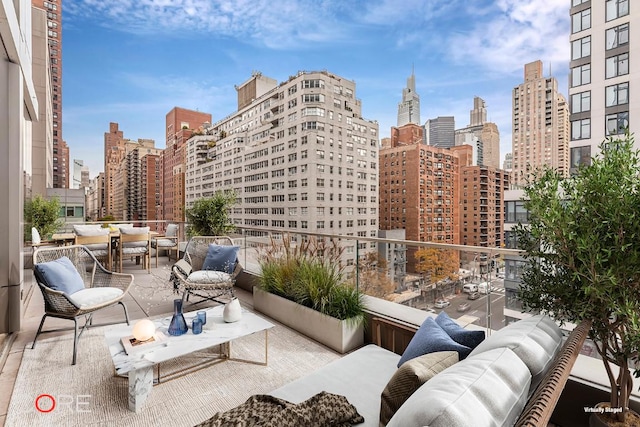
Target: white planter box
x,y
339,335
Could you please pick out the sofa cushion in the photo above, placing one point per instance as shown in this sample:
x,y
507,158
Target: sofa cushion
x,y
536,340
221,258
60,275
409,377
489,389
466,337
429,339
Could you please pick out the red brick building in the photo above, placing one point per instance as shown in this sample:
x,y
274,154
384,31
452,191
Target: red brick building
x,y
180,125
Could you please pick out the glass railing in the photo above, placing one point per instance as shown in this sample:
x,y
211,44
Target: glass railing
x,y
468,282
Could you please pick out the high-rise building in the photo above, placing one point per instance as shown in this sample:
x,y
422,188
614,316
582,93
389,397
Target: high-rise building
x,y
180,125
418,189
604,83
53,9
508,162
113,154
481,199
77,173
300,156
409,108
95,198
440,132
482,135
42,129
539,128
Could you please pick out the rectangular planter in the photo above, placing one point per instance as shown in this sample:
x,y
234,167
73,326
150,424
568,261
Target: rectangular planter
x,y
338,335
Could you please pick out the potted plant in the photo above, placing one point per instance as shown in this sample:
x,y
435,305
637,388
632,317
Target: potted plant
x,y
42,214
303,286
583,257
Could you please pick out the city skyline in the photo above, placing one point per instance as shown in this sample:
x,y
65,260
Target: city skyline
x,y
131,63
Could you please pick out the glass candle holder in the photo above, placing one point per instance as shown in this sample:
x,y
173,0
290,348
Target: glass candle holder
x,y
196,325
202,315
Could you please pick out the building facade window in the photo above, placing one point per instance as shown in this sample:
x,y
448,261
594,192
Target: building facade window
x,y
617,65
577,2
580,156
617,94
581,48
616,9
581,21
617,123
581,129
581,75
617,36
581,102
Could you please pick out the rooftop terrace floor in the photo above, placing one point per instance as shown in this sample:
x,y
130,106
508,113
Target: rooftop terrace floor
x,y
151,295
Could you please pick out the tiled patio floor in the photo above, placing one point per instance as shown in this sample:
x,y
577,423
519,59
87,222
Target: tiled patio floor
x,y
151,295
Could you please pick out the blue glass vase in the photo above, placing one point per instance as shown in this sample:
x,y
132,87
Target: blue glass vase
x,y
178,325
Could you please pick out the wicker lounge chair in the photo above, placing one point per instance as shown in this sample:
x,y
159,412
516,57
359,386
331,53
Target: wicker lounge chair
x,y
189,275
102,288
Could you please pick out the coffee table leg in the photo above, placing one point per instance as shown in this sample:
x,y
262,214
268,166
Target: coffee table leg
x,y
140,385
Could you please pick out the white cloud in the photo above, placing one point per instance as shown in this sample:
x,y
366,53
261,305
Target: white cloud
x,y
523,31
289,23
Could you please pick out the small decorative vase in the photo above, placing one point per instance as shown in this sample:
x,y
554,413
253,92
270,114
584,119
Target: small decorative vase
x,y
178,325
232,311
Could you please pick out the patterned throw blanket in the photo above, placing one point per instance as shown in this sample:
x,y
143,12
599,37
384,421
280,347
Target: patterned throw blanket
x,y
323,409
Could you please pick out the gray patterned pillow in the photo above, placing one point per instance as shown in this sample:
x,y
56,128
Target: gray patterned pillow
x,y
409,377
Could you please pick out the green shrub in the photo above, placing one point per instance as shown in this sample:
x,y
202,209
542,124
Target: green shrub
x,y
311,274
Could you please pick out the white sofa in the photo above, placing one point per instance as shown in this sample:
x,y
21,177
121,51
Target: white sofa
x,y
490,387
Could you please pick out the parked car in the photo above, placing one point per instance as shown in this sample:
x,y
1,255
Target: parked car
x,y
484,287
464,306
474,295
441,303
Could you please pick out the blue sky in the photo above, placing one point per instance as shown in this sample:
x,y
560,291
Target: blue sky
x,y
132,61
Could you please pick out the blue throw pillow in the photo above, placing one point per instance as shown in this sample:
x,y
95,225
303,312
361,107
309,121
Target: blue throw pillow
x,y
221,258
60,275
429,339
460,335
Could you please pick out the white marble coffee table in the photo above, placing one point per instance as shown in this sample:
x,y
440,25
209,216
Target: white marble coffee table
x,y
139,366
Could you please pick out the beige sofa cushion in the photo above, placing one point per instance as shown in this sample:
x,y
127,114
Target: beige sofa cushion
x,y
535,340
488,389
409,377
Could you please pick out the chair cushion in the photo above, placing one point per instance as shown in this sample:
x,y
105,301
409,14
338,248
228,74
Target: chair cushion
x,y
172,230
429,339
90,230
134,250
221,258
60,275
90,297
536,340
489,389
164,243
208,276
121,226
97,247
410,377
137,244
460,335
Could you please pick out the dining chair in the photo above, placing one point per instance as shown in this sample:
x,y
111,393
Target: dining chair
x,y
99,244
168,242
135,242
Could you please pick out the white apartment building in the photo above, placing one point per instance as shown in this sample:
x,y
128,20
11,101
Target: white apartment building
x,y
604,83
299,155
